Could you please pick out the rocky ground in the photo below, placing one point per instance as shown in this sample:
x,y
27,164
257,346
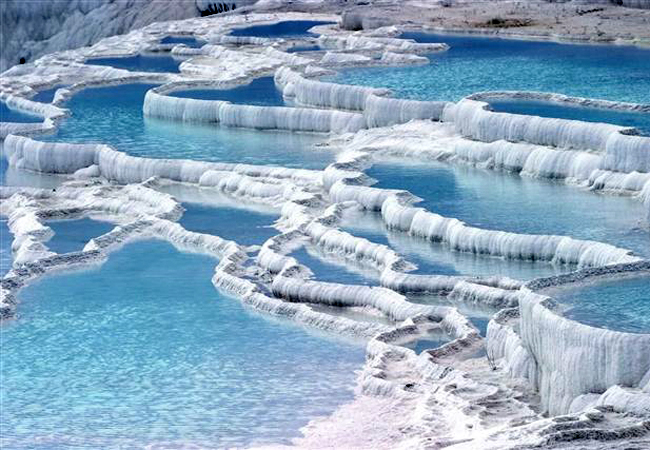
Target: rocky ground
x,y
590,21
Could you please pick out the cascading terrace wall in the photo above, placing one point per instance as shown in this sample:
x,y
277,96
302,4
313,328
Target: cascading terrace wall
x,y
251,116
622,151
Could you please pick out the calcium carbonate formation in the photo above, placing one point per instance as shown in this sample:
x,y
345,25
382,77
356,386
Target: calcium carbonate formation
x,y
596,381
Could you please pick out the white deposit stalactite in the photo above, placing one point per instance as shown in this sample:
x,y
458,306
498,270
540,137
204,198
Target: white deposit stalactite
x,y
627,153
474,120
458,236
575,359
251,116
390,303
48,157
530,159
560,99
383,111
321,94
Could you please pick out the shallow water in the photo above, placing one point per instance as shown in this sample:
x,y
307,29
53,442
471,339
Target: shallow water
x,y
509,202
289,28
638,120
11,115
10,176
428,342
331,269
5,247
185,40
47,95
304,48
113,115
245,226
621,305
438,259
73,235
140,63
477,64
153,355
260,91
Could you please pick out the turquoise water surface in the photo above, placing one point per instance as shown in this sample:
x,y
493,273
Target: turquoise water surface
x,y
73,235
439,259
245,226
113,115
304,48
185,40
11,115
47,95
286,29
620,305
477,64
140,63
427,342
260,91
332,269
143,351
5,247
508,202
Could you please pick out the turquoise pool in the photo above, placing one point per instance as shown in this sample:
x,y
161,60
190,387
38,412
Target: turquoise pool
x,y
261,91
185,40
509,202
285,29
113,115
152,355
72,235
5,247
478,64
620,305
436,258
11,115
253,227
140,63
332,269
47,95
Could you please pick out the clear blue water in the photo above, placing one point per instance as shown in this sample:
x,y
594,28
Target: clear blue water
x,y
519,204
188,41
332,270
140,63
47,95
10,176
438,259
641,121
427,342
11,115
260,91
244,226
290,28
475,64
73,235
304,48
144,351
113,115
621,305
5,247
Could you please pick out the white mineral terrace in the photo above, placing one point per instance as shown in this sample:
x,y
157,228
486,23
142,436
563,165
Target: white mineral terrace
x,y
546,380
